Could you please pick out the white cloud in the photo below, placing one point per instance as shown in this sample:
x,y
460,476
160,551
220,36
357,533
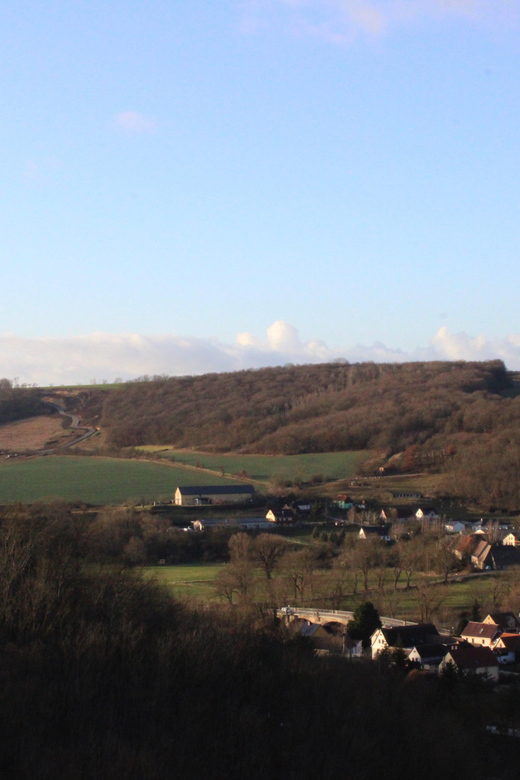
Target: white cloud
x,y
80,359
340,21
460,346
133,123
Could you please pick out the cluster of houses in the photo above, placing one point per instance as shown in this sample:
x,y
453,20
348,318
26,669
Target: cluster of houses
x,y
487,546
486,553
482,648
284,516
229,495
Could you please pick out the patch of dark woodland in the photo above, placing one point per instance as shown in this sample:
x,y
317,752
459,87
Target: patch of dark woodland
x,y
103,675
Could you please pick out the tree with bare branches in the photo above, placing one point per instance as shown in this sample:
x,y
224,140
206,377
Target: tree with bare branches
x,y
267,549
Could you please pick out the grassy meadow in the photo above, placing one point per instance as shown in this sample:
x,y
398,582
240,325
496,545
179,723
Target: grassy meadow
x,y
195,581
187,581
98,481
331,465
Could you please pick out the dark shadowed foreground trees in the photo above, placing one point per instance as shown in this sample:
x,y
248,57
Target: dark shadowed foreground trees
x,y
104,676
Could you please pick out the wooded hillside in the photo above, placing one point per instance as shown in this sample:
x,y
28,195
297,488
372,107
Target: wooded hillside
x,y
316,408
18,403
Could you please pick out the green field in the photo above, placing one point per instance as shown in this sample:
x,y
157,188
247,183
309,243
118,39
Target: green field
x,y
192,580
332,465
196,581
97,481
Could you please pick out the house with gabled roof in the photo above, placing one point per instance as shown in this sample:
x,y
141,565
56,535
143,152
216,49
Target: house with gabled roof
x,y
468,659
406,637
507,621
495,556
318,636
429,656
466,546
481,634
507,648
381,531
480,554
284,516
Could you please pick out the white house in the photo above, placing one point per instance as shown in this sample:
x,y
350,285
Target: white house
x,y
471,660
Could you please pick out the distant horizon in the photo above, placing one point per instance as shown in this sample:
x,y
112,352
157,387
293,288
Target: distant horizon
x,y
103,358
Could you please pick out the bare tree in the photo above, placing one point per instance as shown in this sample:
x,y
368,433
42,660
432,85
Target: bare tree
x,y
429,600
267,550
225,584
444,558
236,578
298,569
366,555
410,554
336,584
380,564
239,548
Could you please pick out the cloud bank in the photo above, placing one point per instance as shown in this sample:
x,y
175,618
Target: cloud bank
x,y
341,21
107,356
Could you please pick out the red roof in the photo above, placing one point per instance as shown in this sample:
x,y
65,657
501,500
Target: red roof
x,y
509,642
469,657
480,630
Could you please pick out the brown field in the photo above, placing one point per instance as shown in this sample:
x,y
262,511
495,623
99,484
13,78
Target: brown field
x,y
32,434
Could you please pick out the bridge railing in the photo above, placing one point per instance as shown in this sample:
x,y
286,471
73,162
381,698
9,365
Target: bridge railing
x,y
342,616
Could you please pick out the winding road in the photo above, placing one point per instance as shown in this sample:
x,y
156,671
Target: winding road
x,y
75,424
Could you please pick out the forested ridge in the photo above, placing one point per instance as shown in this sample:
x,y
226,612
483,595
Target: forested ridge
x,y
316,408
18,403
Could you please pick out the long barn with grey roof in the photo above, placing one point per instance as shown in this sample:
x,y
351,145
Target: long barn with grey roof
x,y
197,495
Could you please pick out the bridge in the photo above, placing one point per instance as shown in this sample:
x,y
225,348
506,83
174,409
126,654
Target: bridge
x,y
330,616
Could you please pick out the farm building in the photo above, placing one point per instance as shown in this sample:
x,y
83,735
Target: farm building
x,y
200,495
244,523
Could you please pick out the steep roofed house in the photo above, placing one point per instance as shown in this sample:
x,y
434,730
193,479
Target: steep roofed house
x,y
381,531
507,621
468,659
284,516
428,656
507,648
480,554
466,546
481,634
406,637
495,556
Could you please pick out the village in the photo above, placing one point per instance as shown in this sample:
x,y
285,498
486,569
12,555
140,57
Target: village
x,y
485,647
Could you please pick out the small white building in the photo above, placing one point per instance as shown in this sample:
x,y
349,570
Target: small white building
x,y
455,527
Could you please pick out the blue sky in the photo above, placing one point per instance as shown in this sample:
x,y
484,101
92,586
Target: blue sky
x,y
209,186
